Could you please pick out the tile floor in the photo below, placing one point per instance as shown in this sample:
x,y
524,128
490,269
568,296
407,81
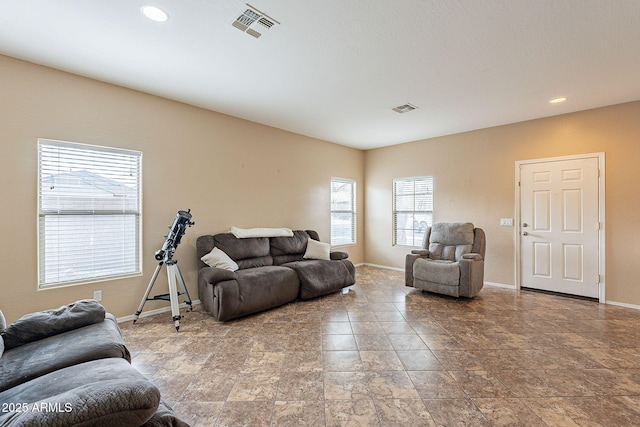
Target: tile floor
x,y
388,355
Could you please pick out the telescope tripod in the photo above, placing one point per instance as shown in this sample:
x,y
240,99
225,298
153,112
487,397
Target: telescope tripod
x,y
173,273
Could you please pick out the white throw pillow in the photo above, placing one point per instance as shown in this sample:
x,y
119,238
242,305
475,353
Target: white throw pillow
x,y
317,250
217,258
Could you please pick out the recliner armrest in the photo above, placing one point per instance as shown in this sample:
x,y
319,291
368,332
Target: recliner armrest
x,y
472,256
338,255
214,275
42,324
421,252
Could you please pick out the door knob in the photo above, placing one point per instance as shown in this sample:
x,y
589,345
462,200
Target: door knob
x,y
524,233
524,224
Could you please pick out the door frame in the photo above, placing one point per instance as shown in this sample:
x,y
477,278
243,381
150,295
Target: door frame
x,y
601,211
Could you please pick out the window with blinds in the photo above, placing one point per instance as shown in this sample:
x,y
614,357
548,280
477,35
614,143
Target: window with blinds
x,y
412,210
343,212
89,204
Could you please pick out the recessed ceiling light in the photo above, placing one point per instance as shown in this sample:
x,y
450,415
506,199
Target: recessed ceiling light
x,y
154,13
558,100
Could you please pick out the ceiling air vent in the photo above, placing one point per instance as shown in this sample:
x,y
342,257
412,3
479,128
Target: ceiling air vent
x,y
404,108
253,22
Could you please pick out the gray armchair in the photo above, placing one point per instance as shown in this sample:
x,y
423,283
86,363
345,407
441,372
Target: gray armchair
x,y
451,261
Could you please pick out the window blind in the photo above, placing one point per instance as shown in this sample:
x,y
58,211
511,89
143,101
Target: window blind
x,y
343,212
89,203
412,210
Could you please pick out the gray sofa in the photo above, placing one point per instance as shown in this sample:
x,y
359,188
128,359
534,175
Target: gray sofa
x,y
70,366
272,271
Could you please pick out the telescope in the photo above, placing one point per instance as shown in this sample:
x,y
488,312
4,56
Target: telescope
x,y
176,231
165,257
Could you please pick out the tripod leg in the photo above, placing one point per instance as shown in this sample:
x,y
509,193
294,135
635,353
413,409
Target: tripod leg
x,y
146,294
173,294
184,288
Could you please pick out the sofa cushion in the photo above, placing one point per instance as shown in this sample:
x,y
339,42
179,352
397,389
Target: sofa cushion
x,y
458,233
437,271
217,258
254,290
449,241
96,341
107,392
35,326
295,244
247,253
321,277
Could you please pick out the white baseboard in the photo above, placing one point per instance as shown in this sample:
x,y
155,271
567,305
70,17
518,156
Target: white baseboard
x,y
386,267
500,285
153,312
623,304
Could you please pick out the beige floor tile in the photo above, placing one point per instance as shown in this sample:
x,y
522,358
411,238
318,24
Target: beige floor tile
x,y
302,361
351,413
391,385
456,412
251,387
298,413
481,384
436,385
508,412
245,414
346,386
403,412
300,386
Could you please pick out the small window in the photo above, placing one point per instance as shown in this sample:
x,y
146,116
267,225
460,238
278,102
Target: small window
x,y
343,212
89,206
412,210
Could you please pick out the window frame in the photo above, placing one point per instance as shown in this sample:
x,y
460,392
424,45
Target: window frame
x,y
130,211
395,212
351,212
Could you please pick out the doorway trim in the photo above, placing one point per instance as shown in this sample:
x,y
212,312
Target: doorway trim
x,y
601,210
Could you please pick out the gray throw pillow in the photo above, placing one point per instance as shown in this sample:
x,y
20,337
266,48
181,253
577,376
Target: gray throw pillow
x,y
36,326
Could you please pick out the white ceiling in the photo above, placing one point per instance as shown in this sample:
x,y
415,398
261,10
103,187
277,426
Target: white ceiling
x,y
333,69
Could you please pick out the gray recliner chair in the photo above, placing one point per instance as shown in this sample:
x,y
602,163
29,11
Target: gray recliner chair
x,y
451,261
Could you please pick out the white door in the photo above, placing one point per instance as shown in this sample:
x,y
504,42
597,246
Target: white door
x,y
560,224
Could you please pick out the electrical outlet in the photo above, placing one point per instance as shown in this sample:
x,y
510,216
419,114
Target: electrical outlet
x,y
506,222
97,295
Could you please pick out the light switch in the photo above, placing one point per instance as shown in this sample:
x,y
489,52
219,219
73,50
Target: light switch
x,y
506,222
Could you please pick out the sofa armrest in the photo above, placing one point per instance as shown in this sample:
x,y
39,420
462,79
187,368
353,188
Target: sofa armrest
x,y
43,324
105,392
471,274
165,417
408,268
214,275
420,252
338,255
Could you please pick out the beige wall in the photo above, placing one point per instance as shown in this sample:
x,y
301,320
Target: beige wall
x,y
474,181
230,172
